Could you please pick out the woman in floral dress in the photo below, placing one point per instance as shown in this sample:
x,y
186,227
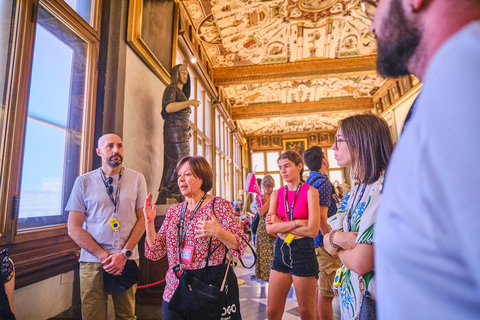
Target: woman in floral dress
x,y
204,217
363,143
265,242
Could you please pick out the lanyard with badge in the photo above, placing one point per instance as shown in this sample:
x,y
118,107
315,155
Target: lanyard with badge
x,y
114,221
185,251
289,210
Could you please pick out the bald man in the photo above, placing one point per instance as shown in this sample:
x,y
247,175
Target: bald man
x,y
106,220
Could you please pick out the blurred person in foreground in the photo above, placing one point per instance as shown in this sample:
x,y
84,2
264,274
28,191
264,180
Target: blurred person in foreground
x,y
427,248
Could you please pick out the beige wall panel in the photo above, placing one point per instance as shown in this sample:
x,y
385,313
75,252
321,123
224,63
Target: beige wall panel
x,y
143,122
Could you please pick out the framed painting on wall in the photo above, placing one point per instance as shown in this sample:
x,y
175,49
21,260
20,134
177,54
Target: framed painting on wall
x,y
378,106
148,22
405,84
254,142
312,139
324,138
386,100
276,141
297,145
265,142
395,92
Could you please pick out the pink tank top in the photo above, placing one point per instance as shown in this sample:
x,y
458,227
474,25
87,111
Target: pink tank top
x,y
300,211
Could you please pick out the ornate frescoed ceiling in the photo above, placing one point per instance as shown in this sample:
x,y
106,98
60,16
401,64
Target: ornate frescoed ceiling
x,y
288,53
302,91
280,125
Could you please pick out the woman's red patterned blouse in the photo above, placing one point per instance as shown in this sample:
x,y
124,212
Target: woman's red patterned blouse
x,y
166,239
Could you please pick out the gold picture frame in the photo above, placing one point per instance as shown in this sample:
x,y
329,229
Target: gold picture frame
x,y
152,26
297,145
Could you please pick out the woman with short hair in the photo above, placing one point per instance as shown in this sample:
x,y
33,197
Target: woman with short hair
x,y
363,143
200,223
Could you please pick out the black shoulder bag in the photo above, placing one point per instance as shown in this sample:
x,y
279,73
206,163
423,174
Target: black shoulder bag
x,y
210,293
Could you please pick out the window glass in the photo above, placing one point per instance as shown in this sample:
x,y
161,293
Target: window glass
x,y
272,157
200,107
51,158
222,177
191,146
258,161
199,147
336,175
83,8
207,117
217,129
207,153
192,94
331,159
6,30
277,178
217,169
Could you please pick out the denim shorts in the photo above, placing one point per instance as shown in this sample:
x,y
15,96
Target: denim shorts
x,y
298,258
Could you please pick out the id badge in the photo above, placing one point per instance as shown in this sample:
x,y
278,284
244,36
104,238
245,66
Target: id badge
x,y
187,253
114,224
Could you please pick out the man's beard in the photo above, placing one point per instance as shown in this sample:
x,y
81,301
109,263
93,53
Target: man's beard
x,y
114,163
398,43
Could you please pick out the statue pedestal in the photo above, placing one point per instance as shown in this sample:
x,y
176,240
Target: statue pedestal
x,y
162,209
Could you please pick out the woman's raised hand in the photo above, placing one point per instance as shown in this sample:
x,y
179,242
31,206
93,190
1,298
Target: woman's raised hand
x,y
149,211
207,228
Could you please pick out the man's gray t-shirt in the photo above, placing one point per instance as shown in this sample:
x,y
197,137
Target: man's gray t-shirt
x,y
89,196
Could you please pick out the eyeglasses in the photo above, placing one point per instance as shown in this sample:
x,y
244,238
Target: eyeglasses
x,y
370,7
337,140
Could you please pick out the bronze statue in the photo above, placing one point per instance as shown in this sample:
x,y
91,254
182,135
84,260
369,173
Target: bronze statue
x,y
176,130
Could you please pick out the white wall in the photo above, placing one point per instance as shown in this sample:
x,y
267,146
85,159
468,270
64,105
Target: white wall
x,y
44,299
396,116
143,122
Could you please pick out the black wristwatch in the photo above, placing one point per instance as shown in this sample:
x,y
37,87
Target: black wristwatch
x,y
127,253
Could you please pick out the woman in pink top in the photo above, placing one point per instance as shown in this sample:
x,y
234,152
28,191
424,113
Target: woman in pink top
x,y
294,214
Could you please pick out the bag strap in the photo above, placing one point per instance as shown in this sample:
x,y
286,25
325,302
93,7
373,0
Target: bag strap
x,y
210,242
226,249
226,272
253,252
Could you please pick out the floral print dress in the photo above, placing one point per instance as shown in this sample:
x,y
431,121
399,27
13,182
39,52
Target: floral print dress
x,y
166,239
362,221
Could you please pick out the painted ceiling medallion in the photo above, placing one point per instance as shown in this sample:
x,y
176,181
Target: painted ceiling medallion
x,y
314,10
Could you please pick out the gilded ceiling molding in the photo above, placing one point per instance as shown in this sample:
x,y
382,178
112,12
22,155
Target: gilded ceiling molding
x,y
317,107
342,67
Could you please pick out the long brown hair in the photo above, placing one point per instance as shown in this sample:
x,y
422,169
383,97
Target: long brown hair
x,y
295,158
369,143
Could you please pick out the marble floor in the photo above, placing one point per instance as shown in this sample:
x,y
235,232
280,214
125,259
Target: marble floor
x,y
253,298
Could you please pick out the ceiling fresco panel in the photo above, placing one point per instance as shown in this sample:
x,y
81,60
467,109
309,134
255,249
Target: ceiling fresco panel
x,y
292,124
303,91
238,33
300,43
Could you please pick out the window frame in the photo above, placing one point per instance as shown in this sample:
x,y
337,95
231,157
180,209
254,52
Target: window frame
x,y
41,252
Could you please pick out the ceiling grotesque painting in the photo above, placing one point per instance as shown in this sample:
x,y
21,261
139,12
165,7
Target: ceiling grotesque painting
x,y
285,52
237,33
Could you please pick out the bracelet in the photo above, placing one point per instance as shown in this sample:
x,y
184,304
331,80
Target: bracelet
x,y
295,224
330,239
